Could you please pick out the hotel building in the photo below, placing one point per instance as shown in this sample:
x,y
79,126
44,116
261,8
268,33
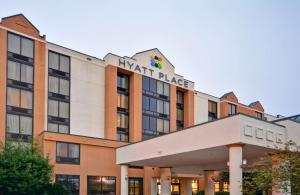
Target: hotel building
x,y
127,125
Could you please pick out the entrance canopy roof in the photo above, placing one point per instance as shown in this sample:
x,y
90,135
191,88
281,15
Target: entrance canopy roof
x,y
206,144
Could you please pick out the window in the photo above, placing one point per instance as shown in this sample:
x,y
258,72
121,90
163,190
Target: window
x,y
231,109
156,107
217,186
19,127
179,110
135,186
226,186
67,153
20,45
72,182
101,185
58,93
123,107
212,110
20,72
259,115
195,187
20,68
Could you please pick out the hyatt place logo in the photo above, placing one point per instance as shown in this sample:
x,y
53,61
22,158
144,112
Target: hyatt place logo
x,y
156,61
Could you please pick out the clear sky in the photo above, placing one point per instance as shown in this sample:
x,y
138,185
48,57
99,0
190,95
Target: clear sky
x,y
251,47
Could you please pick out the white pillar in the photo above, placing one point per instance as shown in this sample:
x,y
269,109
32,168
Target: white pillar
x,y
153,186
165,181
124,180
235,169
209,183
189,187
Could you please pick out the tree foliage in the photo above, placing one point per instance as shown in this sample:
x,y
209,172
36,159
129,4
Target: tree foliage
x,y
23,170
279,170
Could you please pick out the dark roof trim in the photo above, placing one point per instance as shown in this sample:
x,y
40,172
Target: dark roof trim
x,y
204,124
8,17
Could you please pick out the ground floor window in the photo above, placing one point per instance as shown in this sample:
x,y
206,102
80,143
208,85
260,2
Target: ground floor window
x,y
175,186
101,185
217,186
135,186
195,187
72,182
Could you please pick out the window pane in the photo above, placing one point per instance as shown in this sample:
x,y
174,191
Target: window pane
x,y
122,120
166,126
179,114
153,105
160,87
179,97
13,70
53,60
146,104
13,97
12,123
25,125
160,125
14,43
52,127
94,185
26,73
53,84
153,85
108,185
166,89
73,151
63,129
64,63
166,108
122,101
27,47
153,125
146,83
53,108
63,110
62,149
146,122
64,87
26,99
160,106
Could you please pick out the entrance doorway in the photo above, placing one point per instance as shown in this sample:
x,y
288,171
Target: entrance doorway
x,y
175,186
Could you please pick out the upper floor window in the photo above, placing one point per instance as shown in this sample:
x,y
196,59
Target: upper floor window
x,y
20,72
67,153
123,81
259,115
19,98
212,110
123,107
59,62
20,45
154,87
19,127
231,109
180,108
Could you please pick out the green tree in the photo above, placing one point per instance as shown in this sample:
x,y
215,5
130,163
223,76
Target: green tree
x,y
23,170
279,169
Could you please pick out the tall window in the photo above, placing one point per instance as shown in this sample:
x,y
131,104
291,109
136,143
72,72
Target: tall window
x,y
231,109
156,108
101,185
72,182
259,115
20,68
212,110
123,107
135,186
180,113
58,93
67,153
194,187
217,186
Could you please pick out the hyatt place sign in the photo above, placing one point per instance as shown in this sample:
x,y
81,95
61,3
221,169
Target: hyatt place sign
x,y
155,73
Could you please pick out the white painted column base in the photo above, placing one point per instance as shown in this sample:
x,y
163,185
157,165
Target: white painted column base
x,y
235,169
124,180
153,186
209,183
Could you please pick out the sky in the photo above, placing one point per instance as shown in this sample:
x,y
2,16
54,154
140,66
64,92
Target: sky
x,y
250,47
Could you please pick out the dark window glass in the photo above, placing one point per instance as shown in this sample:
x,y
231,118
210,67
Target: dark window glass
x,y
135,186
153,87
123,81
212,110
259,115
67,153
153,105
146,103
72,182
180,112
101,185
231,109
146,83
146,122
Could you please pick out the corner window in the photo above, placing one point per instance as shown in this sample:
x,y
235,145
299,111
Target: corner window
x,y
67,153
72,182
231,109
